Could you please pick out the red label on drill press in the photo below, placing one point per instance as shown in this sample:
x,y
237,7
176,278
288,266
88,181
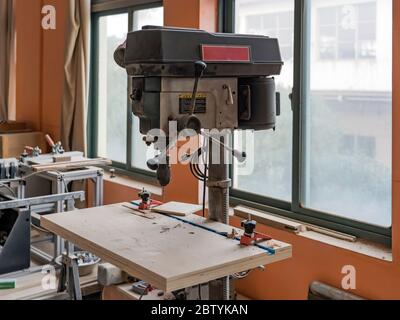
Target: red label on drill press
x,y
217,53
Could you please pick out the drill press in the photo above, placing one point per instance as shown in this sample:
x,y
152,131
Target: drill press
x,y
201,81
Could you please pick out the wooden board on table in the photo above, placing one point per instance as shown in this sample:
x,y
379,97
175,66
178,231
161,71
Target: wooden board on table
x,y
178,209
69,165
269,219
165,252
12,145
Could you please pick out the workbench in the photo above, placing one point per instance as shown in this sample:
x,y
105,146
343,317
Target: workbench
x,y
59,181
168,252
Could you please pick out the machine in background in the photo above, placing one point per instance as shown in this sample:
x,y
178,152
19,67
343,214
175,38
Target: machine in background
x,y
35,185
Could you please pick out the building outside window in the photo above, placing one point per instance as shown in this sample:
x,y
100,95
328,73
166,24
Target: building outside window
x,y
347,31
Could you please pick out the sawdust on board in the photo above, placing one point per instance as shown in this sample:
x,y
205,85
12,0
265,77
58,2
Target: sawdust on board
x,y
165,229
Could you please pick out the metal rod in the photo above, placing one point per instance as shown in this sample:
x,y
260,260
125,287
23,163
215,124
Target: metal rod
x,y
20,203
41,255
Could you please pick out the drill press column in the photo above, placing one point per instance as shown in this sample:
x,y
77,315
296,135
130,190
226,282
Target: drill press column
x,y
218,208
218,182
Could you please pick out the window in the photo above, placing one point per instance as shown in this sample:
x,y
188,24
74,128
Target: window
x,y
112,84
114,129
352,145
140,152
359,105
347,31
339,131
273,165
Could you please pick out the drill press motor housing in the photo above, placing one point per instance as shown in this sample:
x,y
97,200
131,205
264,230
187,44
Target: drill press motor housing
x,y
236,91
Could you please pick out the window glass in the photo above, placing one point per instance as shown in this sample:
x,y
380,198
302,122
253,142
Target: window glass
x,y
140,151
112,90
347,122
272,173
112,83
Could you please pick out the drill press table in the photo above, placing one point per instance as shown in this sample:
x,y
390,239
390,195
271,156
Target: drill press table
x,y
169,253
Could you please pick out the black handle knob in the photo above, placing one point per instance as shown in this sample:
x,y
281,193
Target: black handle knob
x,y
153,164
199,67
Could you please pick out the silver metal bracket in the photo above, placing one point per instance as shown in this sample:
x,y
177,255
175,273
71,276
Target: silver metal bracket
x,y
224,184
20,203
69,278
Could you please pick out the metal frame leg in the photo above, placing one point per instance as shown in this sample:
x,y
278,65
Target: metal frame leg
x,y
60,189
69,278
99,189
21,189
59,243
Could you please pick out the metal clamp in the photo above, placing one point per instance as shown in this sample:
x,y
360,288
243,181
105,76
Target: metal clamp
x,y
69,278
224,184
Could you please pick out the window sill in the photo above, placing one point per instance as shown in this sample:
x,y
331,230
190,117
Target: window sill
x,y
314,233
134,183
363,247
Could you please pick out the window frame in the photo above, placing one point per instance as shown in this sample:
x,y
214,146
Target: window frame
x,y
102,9
299,96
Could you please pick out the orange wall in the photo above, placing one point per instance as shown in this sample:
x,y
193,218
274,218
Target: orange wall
x,y
315,261
52,71
198,14
28,70
39,70
116,193
396,130
38,99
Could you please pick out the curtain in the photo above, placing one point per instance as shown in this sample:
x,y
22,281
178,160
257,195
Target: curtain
x,y
6,30
76,84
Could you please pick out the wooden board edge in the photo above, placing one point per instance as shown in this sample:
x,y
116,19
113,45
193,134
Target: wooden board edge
x,y
106,255
211,274
195,208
